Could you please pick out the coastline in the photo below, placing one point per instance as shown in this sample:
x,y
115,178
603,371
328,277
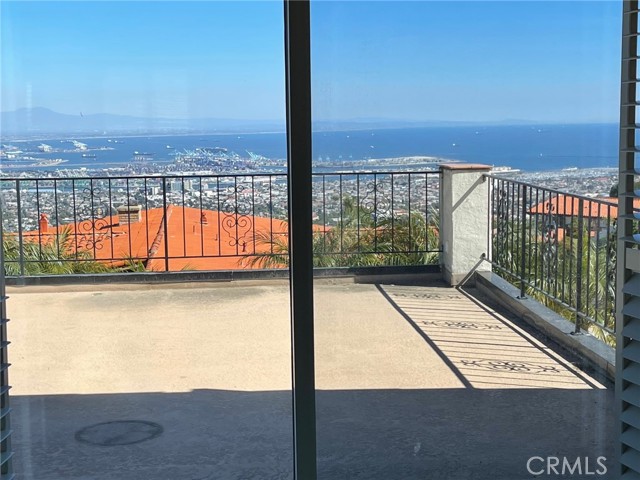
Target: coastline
x,y
355,129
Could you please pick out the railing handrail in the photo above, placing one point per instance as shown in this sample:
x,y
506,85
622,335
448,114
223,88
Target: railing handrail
x,y
133,177
220,175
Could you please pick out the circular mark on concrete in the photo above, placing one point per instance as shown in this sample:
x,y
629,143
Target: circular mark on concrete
x,y
120,432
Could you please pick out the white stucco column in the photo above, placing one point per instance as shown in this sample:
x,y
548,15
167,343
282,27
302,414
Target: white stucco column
x,y
464,220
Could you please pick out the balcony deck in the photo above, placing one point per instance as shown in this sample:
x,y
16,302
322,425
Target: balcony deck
x,y
413,383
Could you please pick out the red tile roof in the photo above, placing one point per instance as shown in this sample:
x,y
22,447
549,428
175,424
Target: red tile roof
x,y
566,205
194,239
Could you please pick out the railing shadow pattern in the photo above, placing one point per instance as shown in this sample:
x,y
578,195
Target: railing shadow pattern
x,y
481,347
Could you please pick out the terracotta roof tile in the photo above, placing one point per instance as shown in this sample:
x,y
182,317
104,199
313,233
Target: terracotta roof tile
x,y
566,205
194,239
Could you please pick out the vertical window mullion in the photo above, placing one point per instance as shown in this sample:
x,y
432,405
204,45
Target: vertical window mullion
x,y
298,99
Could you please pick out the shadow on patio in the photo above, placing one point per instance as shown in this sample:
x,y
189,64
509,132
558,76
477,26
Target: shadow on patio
x,y
413,383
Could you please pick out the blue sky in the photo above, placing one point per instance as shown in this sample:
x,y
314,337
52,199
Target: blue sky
x,y
544,61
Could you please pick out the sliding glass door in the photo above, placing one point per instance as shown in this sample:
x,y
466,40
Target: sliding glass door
x,y
143,166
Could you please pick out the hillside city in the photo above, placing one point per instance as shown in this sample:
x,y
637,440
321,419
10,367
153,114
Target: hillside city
x,y
209,178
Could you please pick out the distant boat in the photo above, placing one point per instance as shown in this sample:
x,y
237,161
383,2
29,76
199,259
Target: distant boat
x,y
88,155
570,169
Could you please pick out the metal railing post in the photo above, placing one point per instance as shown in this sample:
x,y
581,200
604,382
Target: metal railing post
x,y
579,264
20,239
166,226
523,242
489,253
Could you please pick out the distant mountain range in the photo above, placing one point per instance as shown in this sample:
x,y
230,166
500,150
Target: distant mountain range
x,y
43,121
34,121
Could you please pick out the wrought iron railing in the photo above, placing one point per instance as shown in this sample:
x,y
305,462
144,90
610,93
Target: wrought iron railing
x,y
558,247
214,222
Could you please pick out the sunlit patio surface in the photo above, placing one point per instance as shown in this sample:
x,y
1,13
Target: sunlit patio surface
x,y
414,382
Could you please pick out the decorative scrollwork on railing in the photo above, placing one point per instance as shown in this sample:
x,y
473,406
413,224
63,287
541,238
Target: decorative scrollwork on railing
x,y
90,234
549,243
92,219
611,275
377,198
237,210
502,227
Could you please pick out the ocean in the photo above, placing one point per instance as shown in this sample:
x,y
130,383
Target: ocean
x,y
528,147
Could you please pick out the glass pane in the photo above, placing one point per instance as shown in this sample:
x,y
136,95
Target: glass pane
x,y
143,168
464,157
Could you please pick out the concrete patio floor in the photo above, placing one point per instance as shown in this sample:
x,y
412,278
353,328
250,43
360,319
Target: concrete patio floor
x,y
413,383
